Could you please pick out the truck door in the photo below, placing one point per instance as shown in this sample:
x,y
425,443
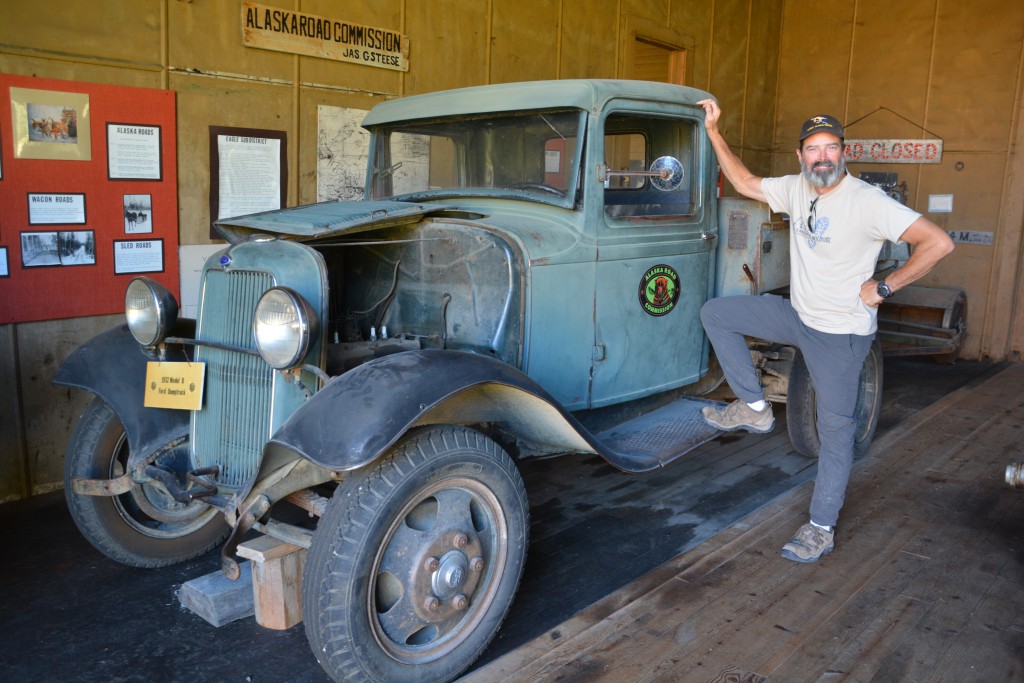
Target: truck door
x,y
654,258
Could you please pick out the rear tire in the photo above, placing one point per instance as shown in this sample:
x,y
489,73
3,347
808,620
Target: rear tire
x,y
144,527
414,565
802,405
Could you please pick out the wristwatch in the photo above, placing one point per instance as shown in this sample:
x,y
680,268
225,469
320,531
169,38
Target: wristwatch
x,y
883,290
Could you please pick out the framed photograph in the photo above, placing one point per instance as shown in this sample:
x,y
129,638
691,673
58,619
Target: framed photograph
x,y
50,125
39,249
58,248
138,256
138,213
53,208
5,271
77,247
133,152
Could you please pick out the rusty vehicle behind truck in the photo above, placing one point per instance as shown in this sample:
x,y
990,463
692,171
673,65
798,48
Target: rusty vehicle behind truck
x,y
523,278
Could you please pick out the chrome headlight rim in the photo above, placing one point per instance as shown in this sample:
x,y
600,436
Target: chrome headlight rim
x,y
151,311
302,327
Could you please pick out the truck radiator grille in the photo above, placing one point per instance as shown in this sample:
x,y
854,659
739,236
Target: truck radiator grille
x,y
234,424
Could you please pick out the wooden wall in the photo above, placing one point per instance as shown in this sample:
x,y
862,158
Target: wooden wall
x,y
926,69
194,47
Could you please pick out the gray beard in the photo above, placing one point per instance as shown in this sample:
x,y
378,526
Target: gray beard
x,y
825,177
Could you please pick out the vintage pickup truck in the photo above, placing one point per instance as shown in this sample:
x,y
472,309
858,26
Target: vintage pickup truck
x,y
523,278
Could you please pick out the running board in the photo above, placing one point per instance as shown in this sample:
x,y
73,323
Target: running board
x,y
657,438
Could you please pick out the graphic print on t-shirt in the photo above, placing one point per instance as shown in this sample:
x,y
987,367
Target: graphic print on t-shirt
x,y
816,233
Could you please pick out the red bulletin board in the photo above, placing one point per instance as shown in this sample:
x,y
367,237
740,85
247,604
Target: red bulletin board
x,y
81,283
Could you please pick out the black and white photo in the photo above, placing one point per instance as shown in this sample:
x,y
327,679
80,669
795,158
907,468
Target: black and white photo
x,y
77,247
138,213
39,249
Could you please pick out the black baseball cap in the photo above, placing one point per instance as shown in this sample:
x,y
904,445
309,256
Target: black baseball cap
x,y
821,124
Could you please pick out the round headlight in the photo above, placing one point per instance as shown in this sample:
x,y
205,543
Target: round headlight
x,y
283,326
150,309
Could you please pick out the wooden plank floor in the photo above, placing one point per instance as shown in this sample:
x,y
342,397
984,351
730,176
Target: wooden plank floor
x,y
926,582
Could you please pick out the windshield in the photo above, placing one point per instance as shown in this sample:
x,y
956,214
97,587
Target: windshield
x,y
530,155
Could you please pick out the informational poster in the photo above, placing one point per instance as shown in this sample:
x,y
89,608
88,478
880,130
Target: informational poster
x,y
56,209
250,175
68,193
133,152
248,172
138,256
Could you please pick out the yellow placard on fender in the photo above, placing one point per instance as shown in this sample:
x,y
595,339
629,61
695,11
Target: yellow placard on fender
x,y
174,385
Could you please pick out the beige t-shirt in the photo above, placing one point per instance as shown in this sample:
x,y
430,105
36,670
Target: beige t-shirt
x,y
830,260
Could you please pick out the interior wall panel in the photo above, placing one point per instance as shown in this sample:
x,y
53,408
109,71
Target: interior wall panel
x,y
524,40
814,64
889,66
589,39
207,37
448,45
762,74
86,30
205,102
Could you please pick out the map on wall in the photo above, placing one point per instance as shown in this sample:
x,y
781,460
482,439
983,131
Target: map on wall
x,y
343,150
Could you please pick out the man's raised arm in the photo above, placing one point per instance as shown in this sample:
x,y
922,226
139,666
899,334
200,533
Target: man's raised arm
x,y
745,182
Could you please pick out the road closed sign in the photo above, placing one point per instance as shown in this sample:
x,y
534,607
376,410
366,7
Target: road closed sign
x,y
894,151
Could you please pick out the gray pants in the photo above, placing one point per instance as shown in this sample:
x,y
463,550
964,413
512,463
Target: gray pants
x,y
833,360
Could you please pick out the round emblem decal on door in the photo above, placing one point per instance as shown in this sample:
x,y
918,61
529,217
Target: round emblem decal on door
x,y
659,290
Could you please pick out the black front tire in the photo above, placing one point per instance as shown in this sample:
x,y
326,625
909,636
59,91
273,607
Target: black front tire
x,y
414,565
144,527
802,404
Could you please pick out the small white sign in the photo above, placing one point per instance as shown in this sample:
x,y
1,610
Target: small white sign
x,y
940,203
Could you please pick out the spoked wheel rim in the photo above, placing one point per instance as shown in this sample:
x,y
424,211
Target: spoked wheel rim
x,y
438,570
149,509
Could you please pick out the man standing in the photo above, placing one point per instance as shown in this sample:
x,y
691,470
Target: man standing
x,y
838,225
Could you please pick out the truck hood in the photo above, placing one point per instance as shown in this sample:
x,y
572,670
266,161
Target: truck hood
x,y
316,221
541,236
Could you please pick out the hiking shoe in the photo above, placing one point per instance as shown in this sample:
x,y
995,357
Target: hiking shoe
x,y
809,544
738,415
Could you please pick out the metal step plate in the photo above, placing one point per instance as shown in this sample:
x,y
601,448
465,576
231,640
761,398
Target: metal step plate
x,y
659,437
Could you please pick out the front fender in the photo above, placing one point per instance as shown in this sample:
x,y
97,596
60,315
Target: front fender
x,y
359,415
112,365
